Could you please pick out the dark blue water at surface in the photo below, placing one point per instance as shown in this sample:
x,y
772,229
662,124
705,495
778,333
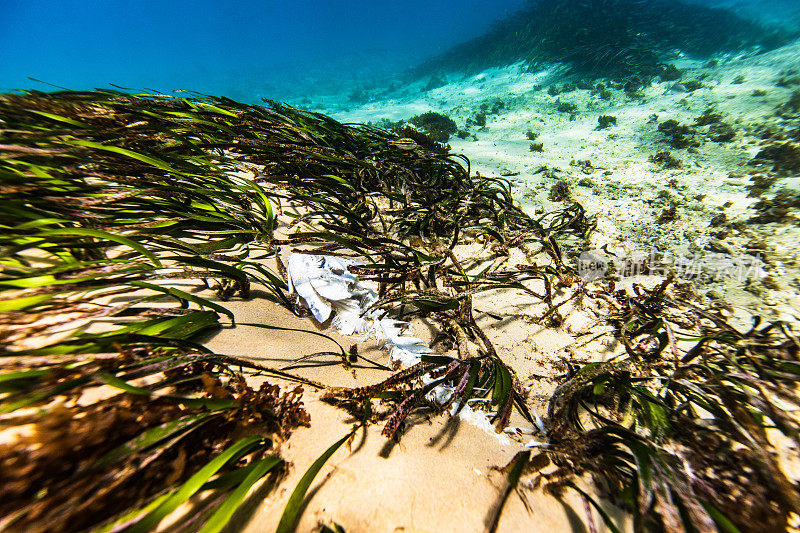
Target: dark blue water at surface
x,y
239,49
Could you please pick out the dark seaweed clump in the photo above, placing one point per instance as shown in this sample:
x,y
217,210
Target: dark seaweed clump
x,y
794,102
567,107
760,185
721,132
496,108
478,119
718,131
560,191
670,73
666,160
708,117
677,135
606,121
439,127
602,91
668,214
607,37
784,156
776,209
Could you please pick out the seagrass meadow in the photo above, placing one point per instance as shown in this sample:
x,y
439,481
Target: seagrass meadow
x,y
131,222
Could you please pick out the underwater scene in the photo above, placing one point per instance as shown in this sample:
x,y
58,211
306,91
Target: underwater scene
x,y
319,266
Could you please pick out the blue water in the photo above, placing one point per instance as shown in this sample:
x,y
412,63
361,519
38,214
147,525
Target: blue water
x,y
249,49
244,49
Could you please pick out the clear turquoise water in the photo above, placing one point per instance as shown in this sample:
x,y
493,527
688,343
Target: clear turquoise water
x,y
250,49
243,49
